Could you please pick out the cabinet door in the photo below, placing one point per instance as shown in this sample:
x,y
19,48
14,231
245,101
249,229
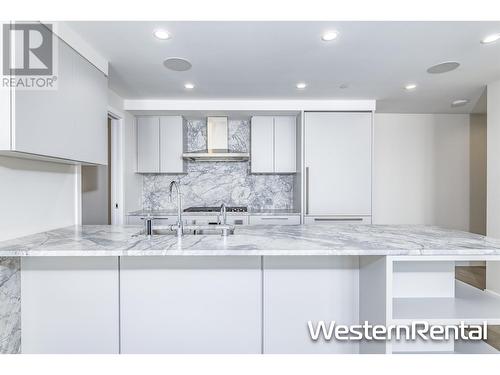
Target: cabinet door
x,y
68,122
298,289
148,145
262,144
69,305
171,144
338,154
190,305
90,112
338,220
285,130
274,220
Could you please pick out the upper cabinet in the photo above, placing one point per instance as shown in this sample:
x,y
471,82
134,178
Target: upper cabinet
x,y
160,144
148,144
68,122
273,144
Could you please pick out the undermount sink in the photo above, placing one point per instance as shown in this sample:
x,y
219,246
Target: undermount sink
x,y
193,230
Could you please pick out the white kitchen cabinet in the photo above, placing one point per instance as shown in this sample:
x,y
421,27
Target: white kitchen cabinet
x,y
310,288
160,144
338,220
285,144
172,144
190,305
200,219
262,144
162,220
70,305
134,220
68,123
148,144
214,219
338,163
237,220
273,144
274,220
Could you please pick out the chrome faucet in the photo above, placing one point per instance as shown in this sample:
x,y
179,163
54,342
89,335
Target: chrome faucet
x,y
179,226
223,214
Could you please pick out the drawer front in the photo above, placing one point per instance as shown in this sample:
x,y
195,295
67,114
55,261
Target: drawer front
x,y
168,220
139,220
274,220
237,220
200,220
214,219
134,220
338,219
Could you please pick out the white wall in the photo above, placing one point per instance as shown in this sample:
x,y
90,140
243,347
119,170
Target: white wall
x,y
478,139
36,196
493,180
421,170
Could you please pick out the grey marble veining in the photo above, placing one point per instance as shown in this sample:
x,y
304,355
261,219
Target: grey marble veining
x,y
10,306
213,183
323,239
173,212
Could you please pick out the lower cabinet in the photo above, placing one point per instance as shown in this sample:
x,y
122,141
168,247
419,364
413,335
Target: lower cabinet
x,y
158,221
190,304
310,288
274,220
338,220
69,305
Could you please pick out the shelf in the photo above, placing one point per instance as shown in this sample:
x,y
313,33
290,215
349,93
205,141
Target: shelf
x,y
470,305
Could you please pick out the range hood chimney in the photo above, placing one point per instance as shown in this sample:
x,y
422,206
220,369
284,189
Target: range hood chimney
x,y
217,144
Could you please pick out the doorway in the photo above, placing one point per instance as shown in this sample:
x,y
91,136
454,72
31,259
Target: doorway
x,y
101,184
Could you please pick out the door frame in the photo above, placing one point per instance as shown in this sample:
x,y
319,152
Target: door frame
x,y
116,155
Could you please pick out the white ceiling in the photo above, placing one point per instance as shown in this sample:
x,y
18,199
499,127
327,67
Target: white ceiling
x,y
260,60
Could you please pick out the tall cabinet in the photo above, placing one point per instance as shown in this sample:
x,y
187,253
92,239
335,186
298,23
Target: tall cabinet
x,y
338,167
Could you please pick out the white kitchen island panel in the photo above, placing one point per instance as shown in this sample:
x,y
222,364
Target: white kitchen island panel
x,y
69,305
302,289
191,305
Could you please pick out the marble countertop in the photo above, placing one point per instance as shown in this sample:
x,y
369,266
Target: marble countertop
x,y
318,239
263,212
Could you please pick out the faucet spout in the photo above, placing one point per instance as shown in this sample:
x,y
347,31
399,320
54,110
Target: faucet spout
x,y
179,224
223,214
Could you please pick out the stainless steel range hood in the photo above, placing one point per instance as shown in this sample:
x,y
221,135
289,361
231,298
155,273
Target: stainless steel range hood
x,y
217,144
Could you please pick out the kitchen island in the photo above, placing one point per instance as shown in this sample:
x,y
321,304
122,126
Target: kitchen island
x,y
109,289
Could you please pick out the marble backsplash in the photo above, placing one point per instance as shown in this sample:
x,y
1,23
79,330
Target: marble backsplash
x,y
10,306
213,183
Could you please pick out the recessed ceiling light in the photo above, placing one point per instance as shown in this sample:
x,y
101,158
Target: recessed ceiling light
x,y
443,67
178,64
162,34
459,102
188,86
410,86
491,38
301,85
329,35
